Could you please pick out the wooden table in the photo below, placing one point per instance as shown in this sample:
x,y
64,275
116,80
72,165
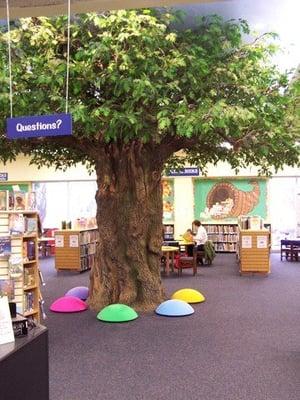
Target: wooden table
x,y
169,252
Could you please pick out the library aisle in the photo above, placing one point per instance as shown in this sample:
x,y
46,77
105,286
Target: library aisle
x,y
241,343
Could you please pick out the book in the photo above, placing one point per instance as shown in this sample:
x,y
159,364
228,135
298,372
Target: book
x,y
7,288
31,201
11,201
30,225
19,200
30,250
29,276
5,247
3,200
16,224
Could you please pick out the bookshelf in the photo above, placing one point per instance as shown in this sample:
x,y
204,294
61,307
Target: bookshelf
x,y
224,236
19,265
75,250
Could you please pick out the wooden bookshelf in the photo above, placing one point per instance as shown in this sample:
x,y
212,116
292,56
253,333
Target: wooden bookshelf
x,y
223,235
23,245
75,250
254,251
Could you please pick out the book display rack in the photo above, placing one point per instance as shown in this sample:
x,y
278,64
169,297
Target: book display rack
x,y
75,249
253,250
19,265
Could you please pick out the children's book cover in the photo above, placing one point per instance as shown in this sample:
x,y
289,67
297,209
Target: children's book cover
x,y
16,224
7,288
5,247
3,200
20,200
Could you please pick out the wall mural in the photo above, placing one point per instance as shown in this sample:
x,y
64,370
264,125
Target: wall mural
x,y
217,199
168,200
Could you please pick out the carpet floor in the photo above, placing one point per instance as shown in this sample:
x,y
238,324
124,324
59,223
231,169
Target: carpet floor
x,y
242,343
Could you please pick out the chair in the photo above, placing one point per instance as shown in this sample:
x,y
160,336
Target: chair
x,y
285,249
183,262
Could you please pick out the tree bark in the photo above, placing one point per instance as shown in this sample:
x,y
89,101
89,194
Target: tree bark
x,y
129,218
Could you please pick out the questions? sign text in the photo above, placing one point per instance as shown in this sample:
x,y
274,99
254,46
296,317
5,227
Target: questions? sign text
x,y
39,125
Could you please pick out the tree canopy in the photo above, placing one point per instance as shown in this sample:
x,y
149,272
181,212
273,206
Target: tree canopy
x,y
134,76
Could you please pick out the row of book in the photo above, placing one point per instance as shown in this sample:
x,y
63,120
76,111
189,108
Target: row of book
x,y
220,228
17,200
29,250
230,247
29,277
228,237
253,222
88,249
22,225
29,298
88,236
87,262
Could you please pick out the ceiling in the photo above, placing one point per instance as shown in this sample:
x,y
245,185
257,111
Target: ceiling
x,y
34,8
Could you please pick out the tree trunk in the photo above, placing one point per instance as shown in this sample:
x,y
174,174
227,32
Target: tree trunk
x,y
129,218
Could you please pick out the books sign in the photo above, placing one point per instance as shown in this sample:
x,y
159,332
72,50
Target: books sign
x,y
189,171
39,125
3,176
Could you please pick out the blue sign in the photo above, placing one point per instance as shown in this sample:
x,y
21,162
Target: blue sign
x,y
189,171
39,125
3,176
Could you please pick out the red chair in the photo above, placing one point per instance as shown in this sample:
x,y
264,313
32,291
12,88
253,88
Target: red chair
x,y
184,262
48,246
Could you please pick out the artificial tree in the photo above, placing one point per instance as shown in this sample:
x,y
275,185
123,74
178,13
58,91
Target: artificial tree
x,y
141,89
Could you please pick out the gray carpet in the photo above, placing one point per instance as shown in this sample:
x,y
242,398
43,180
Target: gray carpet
x,y
241,344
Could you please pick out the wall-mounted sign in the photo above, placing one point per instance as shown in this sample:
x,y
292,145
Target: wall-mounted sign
x,y
3,176
189,171
39,125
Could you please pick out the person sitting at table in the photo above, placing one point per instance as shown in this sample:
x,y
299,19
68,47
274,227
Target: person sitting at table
x,y
200,237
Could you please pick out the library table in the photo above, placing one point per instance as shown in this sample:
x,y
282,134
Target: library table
x,y
169,252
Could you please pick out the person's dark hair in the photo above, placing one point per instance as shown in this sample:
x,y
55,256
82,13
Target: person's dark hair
x,y
196,222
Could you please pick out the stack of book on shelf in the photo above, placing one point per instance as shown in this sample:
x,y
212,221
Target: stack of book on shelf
x,y
17,201
28,302
28,250
29,277
253,222
89,236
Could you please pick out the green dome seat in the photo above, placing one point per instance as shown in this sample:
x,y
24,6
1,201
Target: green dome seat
x,y
117,313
